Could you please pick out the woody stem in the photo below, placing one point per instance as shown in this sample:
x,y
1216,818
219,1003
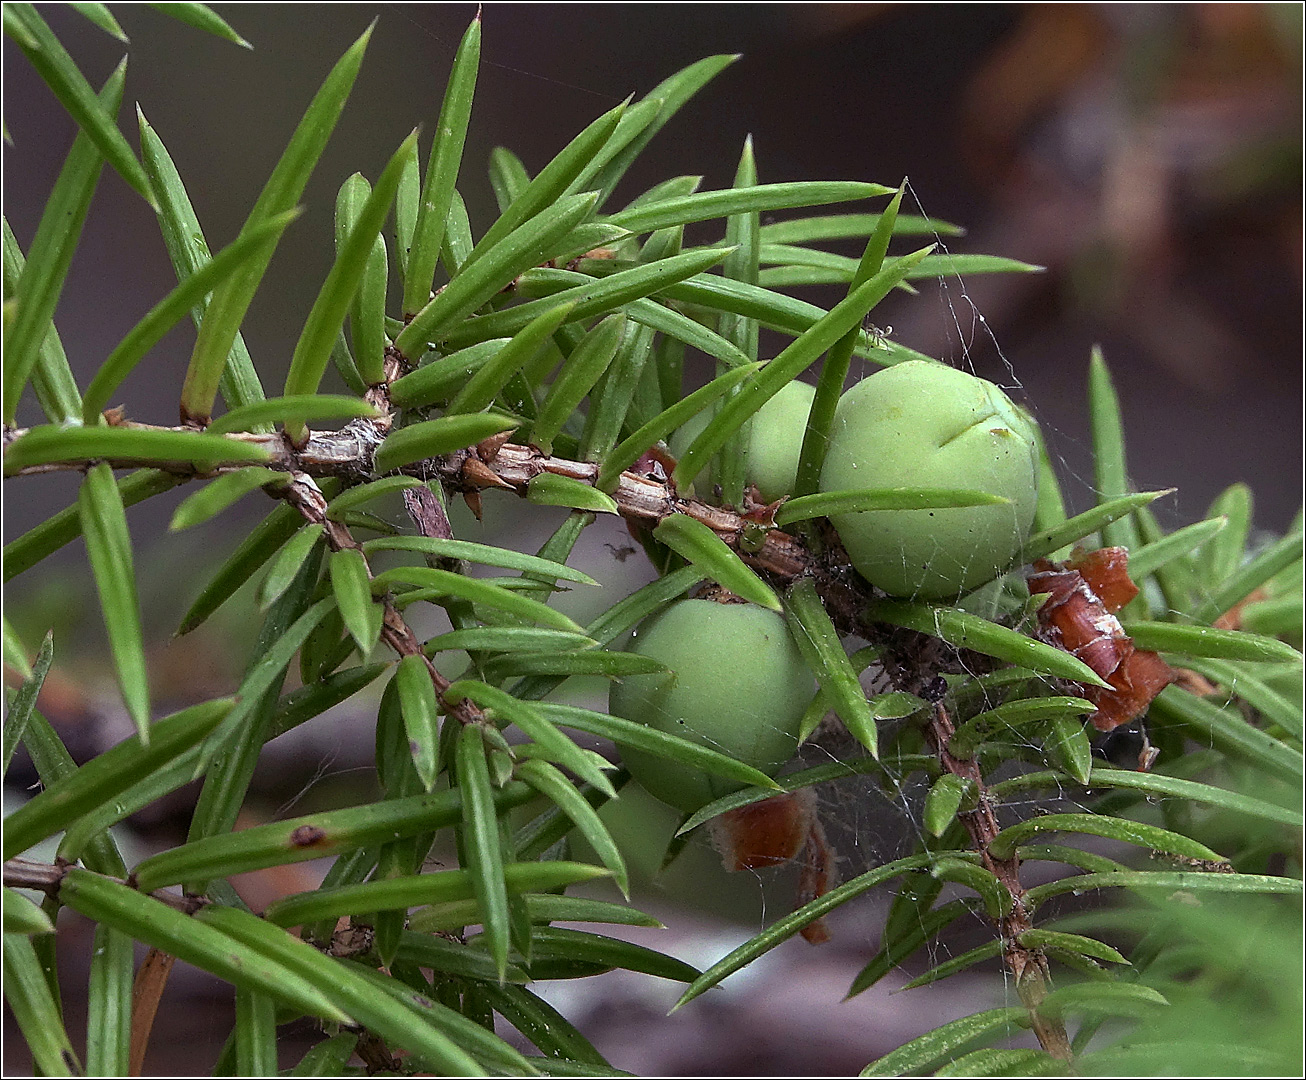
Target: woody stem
x,y
1029,967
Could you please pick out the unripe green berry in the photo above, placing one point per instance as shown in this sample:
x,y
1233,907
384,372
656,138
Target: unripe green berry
x,y
923,424
774,442
737,684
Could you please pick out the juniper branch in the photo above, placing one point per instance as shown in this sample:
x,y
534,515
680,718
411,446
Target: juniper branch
x,y
48,878
643,498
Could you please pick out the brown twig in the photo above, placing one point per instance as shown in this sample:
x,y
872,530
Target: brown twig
x,y
48,878
44,877
1028,967
642,498
306,497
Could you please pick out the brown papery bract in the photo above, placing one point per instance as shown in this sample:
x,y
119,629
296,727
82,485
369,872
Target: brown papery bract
x,y
775,831
1078,615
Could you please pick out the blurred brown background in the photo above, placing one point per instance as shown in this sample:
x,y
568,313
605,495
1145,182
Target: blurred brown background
x,y
1149,155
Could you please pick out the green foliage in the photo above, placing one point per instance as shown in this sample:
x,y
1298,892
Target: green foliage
x,y
546,357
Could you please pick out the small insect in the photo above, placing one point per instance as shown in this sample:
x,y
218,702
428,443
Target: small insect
x,y
1147,755
935,689
307,836
622,553
879,337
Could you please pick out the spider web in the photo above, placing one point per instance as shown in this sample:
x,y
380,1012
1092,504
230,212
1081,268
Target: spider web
x,y
872,819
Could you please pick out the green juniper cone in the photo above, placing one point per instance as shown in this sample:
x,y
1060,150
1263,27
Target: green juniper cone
x,y
776,439
774,443
738,685
922,424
